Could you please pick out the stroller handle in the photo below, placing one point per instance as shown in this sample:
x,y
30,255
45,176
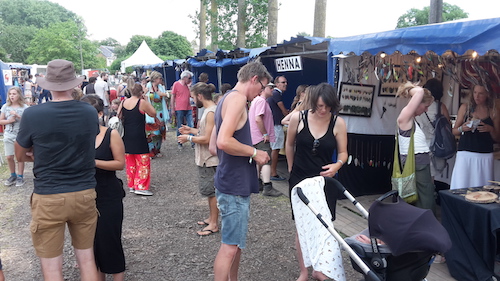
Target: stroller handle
x,y
393,193
302,196
366,270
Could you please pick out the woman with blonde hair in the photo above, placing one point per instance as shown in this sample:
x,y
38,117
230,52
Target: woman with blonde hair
x,y
420,100
126,91
477,125
299,95
300,102
10,117
157,95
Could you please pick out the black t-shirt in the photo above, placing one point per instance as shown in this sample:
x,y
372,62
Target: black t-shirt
x,y
273,104
62,135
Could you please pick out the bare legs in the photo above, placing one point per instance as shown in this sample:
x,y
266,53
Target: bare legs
x,y
12,165
213,217
86,262
304,273
227,263
52,267
274,161
265,174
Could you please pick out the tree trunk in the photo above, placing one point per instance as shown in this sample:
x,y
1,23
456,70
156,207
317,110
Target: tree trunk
x,y
272,27
436,11
319,18
203,25
213,24
240,39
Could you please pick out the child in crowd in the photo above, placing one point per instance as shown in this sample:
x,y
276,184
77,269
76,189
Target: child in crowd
x,y
10,117
114,107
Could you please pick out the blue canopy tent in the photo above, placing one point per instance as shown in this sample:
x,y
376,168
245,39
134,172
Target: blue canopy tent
x,y
221,67
458,36
312,53
451,43
3,87
170,70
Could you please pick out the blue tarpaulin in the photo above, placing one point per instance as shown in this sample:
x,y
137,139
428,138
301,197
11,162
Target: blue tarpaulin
x,y
458,36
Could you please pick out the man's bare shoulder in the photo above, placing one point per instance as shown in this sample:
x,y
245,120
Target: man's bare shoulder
x,y
235,99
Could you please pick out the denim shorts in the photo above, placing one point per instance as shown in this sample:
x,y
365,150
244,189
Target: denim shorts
x,y
279,134
235,213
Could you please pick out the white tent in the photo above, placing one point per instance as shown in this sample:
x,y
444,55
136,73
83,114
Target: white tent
x,y
142,56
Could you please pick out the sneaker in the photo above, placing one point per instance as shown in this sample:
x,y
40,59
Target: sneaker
x,y
130,189
270,191
277,178
20,181
10,181
143,192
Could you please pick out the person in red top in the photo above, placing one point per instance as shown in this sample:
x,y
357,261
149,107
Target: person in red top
x,y
180,101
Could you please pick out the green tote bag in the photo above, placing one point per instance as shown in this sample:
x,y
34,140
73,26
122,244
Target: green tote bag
x,y
404,181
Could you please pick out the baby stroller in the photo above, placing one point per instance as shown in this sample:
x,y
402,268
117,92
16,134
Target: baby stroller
x,y
412,236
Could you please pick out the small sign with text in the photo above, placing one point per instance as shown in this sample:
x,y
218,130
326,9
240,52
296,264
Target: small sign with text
x,y
288,64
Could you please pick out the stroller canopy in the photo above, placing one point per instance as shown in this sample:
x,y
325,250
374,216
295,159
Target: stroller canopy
x,y
405,228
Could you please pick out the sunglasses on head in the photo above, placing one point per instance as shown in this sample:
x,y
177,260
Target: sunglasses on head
x,y
315,147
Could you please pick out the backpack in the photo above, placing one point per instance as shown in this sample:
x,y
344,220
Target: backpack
x,y
444,144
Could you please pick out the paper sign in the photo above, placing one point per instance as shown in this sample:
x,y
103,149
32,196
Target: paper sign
x,y
288,64
7,77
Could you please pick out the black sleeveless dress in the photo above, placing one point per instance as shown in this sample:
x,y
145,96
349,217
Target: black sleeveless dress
x,y
108,247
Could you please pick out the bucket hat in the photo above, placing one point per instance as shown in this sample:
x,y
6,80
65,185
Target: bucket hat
x,y
60,76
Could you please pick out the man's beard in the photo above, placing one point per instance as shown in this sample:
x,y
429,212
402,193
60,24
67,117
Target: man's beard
x,y
199,104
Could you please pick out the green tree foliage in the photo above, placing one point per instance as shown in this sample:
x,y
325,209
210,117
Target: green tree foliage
x,y
62,41
172,46
37,13
109,42
256,23
414,17
16,39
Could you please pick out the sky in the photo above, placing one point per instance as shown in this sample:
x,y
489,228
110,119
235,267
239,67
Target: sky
x,y
122,19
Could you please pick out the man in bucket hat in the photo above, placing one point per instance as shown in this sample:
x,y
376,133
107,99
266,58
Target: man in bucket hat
x,y
59,137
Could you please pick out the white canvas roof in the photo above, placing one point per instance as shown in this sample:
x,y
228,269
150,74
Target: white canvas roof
x,y
142,56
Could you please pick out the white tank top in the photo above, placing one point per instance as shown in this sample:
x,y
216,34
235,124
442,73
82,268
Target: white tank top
x,y
419,142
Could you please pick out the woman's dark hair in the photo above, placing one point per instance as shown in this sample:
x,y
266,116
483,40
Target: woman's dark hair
x,y
435,87
95,101
137,90
204,89
327,93
225,87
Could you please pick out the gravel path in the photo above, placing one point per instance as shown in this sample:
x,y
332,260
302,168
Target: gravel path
x,y
159,232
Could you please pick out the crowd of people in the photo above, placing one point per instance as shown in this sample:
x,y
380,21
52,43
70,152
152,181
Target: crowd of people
x,y
240,130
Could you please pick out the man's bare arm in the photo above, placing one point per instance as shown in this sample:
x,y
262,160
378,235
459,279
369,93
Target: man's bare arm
x,y
23,154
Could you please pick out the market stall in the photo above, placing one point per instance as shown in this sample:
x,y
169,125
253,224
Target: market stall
x,y
302,60
221,67
367,70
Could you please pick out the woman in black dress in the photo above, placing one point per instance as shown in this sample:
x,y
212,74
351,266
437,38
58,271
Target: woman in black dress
x,y
110,157
312,138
